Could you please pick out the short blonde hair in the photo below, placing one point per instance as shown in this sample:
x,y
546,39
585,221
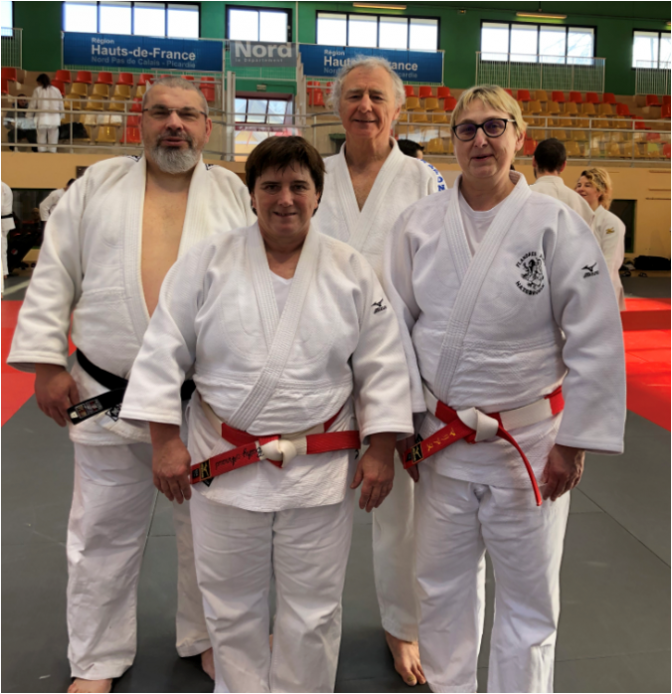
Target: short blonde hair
x,y
493,96
602,182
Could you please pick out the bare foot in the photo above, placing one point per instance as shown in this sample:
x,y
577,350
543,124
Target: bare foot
x,y
208,663
406,656
80,686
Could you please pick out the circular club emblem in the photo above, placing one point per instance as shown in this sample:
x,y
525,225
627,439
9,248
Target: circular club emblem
x,y
531,268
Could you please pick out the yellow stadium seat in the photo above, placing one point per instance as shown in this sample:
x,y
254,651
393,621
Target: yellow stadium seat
x,y
605,110
117,102
448,145
523,106
79,89
412,103
551,108
540,95
588,109
440,118
559,135
601,123
534,107
101,91
578,135
107,133
613,150
596,152
432,104
571,109
435,146
653,151
122,90
418,117
140,90
572,149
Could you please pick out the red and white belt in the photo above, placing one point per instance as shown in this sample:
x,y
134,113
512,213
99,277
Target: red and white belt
x,y
278,450
473,426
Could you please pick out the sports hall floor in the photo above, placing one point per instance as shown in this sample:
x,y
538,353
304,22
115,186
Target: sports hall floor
x,y
615,624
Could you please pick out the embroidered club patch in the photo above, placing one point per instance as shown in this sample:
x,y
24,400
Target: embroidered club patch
x,y
531,267
611,231
590,270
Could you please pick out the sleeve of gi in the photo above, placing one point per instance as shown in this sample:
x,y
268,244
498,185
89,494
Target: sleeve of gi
x,y
381,385
584,306
48,204
168,349
41,335
611,241
400,249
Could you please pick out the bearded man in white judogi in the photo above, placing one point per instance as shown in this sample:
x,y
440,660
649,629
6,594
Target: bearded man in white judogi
x,y
108,245
367,186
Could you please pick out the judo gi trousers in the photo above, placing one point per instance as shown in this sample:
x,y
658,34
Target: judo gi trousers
x,y
3,250
111,509
306,550
393,558
45,135
456,522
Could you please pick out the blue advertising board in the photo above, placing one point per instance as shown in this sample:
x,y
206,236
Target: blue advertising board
x,y
145,52
411,66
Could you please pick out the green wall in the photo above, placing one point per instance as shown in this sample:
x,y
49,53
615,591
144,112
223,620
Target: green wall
x,y
459,30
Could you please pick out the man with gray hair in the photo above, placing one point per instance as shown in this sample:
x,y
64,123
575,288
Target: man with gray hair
x,y
108,246
367,187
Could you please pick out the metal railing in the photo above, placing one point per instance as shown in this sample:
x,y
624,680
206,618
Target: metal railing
x,y
652,78
627,141
515,71
11,52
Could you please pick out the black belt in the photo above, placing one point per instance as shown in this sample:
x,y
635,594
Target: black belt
x,y
116,386
6,216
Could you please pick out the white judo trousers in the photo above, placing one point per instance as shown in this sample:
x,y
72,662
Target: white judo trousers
x,y
112,505
47,136
306,551
456,522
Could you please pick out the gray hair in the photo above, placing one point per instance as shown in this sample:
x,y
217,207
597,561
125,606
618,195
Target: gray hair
x,y
176,83
368,62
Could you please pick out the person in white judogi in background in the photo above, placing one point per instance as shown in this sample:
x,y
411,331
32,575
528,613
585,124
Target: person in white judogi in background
x,y
367,186
48,205
286,330
7,226
46,106
549,161
108,245
595,187
500,319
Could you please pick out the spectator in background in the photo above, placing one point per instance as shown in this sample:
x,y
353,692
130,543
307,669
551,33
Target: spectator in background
x,y
47,106
411,149
7,226
549,161
595,187
47,205
19,126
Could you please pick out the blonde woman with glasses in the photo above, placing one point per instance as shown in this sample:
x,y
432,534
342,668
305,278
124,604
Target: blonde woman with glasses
x,y
514,344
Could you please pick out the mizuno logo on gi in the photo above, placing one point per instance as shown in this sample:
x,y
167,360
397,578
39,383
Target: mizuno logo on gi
x,y
379,306
590,270
531,266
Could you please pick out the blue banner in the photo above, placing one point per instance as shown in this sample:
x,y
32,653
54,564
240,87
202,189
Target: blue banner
x,y
141,52
411,66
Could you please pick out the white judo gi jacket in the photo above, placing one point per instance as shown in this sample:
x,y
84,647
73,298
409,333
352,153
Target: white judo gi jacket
x,y
533,308
609,231
90,265
556,188
401,181
7,225
47,105
49,203
336,340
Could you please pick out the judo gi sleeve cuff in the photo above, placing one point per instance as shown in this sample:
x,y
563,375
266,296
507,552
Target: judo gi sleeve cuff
x,y
27,362
599,447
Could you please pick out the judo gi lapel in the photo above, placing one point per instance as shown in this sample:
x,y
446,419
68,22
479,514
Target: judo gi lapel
x,y
195,219
472,273
134,199
361,223
279,331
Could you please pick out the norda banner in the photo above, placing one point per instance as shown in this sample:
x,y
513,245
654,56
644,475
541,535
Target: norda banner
x,y
258,54
146,52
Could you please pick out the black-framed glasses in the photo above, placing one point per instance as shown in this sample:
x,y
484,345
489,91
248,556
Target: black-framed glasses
x,y
494,127
186,114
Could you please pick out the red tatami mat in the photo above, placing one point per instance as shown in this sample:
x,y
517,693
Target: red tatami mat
x,y
646,333
17,386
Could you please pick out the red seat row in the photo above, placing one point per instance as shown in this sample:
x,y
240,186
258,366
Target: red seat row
x,y
426,92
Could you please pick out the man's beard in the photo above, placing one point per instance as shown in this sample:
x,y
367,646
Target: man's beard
x,y
173,160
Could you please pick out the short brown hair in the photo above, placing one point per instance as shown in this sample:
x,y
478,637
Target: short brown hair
x,y
281,152
602,182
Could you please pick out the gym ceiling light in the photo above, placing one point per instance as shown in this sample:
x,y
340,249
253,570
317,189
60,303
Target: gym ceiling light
x,y
541,15
378,7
